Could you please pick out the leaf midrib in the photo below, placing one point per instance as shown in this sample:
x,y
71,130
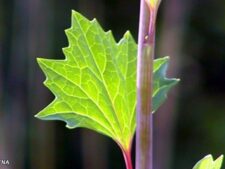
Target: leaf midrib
x,y
100,74
94,74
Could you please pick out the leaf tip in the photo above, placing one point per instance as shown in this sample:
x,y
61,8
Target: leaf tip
x,y
74,12
176,80
69,127
39,60
68,30
94,20
38,116
220,158
76,15
127,34
167,58
209,156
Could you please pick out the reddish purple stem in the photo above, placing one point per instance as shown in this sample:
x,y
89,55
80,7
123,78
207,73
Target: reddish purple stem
x,y
146,44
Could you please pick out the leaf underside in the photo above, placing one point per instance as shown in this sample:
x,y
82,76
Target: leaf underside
x,y
208,163
95,85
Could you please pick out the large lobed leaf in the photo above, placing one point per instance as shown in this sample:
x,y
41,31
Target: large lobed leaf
x,y
208,163
95,85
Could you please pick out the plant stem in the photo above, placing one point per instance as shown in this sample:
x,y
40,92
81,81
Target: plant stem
x,y
146,45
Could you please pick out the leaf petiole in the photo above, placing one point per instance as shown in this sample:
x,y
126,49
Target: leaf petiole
x,y
127,158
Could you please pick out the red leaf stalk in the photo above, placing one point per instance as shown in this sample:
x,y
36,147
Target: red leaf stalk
x,y
128,160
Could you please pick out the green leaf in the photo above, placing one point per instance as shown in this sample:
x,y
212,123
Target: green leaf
x,y
95,85
161,84
208,163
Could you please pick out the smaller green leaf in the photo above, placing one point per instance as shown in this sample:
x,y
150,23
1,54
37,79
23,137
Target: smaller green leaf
x,y
161,84
208,163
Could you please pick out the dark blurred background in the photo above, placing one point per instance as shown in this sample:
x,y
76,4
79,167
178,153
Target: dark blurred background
x,y
190,125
